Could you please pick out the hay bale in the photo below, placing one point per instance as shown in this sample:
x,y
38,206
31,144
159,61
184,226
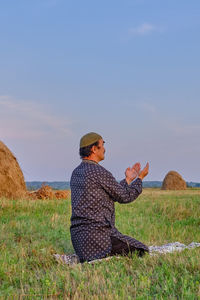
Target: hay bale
x,y
173,181
64,194
45,192
12,184
31,195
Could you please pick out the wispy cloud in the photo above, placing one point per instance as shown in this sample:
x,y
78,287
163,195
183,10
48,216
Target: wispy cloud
x,y
25,119
148,107
167,122
185,129
144,29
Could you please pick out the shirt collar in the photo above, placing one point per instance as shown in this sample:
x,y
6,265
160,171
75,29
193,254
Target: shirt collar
x,y
89,161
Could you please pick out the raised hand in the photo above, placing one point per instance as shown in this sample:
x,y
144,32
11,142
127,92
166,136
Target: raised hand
x,y
137,167
144,172
132,173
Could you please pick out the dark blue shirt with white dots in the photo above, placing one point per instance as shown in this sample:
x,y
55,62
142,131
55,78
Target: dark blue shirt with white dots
x,y
94,192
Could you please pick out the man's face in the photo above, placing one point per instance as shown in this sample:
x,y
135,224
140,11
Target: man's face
x,y
100,150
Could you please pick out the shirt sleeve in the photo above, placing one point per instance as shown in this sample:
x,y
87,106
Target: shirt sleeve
x,y
123,183
120,192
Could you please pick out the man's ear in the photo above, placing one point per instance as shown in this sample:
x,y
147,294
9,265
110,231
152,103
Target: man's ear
x,y
93,149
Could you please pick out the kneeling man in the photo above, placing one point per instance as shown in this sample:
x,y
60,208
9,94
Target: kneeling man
x,y
94,192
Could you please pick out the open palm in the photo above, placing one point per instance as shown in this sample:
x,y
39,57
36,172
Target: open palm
x,y
144,172
132,173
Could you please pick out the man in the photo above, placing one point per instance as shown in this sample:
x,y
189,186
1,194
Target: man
x,y
93,193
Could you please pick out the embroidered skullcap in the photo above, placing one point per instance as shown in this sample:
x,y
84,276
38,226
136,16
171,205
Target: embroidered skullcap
x,y
89,139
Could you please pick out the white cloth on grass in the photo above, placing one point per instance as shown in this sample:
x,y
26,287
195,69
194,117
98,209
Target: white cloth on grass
x,y
153,250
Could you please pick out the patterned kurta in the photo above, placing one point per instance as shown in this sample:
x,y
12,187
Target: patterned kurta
x,y
94,191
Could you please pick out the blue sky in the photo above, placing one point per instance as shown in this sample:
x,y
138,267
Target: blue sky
x,y
129,70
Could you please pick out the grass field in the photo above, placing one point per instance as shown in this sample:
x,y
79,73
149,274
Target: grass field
x,y
32,230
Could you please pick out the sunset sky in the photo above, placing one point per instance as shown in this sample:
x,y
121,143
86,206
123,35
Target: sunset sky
x,y
128,70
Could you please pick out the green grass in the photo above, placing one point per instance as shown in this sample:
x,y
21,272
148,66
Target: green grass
x,y
32,230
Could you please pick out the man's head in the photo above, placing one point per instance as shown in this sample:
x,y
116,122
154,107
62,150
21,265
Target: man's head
x,y
92,147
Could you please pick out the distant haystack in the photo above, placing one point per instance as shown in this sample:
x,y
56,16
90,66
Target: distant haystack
x,y
173,181
12,184
64,194
45,192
